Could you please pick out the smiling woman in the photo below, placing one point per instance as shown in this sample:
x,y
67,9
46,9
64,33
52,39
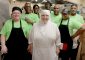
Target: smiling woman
x,y
13,37
44,38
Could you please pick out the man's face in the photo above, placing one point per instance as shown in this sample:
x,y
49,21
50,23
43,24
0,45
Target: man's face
x,y
47,6
74,9
56,9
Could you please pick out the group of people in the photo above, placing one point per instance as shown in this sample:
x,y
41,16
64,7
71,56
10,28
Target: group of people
x,y
43,34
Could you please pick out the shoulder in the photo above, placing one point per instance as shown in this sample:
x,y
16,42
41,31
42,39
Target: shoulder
x,y
79,15
54,25
24,24
23,21
8,22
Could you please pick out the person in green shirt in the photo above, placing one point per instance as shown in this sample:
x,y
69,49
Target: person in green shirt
x,y
81,48
74,15
66,28
56,15
27,7
78,18
47,6
32,17
14,34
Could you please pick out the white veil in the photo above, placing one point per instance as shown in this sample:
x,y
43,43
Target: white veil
x,y
42,12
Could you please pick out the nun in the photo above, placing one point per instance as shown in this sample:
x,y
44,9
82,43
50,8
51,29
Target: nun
x,y
44,38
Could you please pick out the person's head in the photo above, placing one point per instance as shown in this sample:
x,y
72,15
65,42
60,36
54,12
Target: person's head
x,y
27,4
56,9
16,12
36,9
48,5
44,15
27,7
65,14
73,9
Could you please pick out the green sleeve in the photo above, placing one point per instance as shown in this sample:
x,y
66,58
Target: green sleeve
x,y
81,19
4,29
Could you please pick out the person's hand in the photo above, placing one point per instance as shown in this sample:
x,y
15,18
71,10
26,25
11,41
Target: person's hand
x,y
61,46
57,50
30,48
73,37
28,20
4,49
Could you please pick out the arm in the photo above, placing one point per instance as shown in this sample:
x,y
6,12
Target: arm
x,y
58,42
29,21
30,42
3,40
79,28
80,31
3,46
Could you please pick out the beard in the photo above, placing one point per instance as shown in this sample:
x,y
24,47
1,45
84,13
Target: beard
x,y
73,12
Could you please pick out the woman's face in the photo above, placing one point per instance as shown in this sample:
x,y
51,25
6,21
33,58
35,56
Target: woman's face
x,y
36,9
65,15
16,15
44,17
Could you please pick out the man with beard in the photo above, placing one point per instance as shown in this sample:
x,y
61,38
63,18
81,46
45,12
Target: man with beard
x,y
74,15
77,18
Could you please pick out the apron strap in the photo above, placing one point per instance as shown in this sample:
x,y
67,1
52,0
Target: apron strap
x,y
62,21
12,24
20,24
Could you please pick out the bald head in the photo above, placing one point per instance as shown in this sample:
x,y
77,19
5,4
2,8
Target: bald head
x,y
56,9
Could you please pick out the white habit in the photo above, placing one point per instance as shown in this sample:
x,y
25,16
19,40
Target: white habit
x,y
45,39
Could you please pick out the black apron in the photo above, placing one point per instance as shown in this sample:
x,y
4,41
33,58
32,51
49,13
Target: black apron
x,y
17,45
67,40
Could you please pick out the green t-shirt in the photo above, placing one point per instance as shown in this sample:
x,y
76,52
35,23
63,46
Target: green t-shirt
x,y
32,16
72,25
56,19
6,30
77,18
